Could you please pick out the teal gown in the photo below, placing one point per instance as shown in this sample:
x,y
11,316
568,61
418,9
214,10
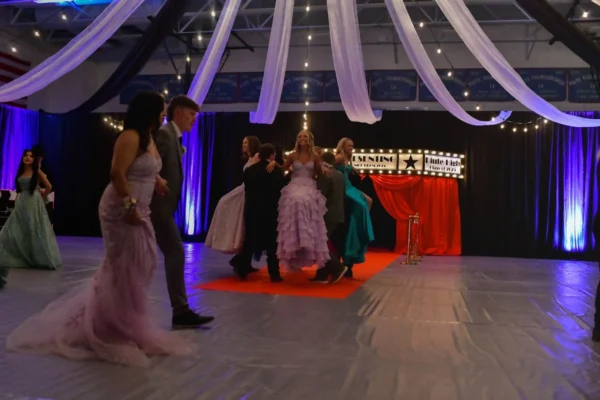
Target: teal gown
x,y
359,229
27,239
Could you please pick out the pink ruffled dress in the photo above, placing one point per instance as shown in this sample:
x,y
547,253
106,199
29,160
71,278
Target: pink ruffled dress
x,y
301,231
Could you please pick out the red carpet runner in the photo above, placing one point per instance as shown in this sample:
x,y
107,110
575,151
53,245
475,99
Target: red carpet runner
x,y
296,282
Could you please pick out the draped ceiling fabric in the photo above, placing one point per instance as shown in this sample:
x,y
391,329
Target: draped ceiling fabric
x,y
212,58
494,62
73,54
424,67
563,30
277,56
436,201
161,26
348,61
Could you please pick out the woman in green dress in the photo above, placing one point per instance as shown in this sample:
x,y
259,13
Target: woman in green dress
x,y
27,239
359,229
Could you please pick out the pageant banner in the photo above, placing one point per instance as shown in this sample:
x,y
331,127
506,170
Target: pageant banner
x,y
473,85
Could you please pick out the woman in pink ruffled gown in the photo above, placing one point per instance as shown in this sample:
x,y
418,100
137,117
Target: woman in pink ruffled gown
x,y
106,318
226,232
301,231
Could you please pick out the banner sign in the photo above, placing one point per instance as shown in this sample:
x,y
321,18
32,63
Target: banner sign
x,y
372,160
332,90
483,87
393,85
456,83
439,163
299,87
224,89
549,84
250,85
554,85
583,87
398,161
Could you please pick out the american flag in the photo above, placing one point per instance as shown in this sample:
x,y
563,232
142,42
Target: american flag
x,y
12,67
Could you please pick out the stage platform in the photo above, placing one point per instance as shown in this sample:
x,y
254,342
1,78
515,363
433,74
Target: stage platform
x,y
467,328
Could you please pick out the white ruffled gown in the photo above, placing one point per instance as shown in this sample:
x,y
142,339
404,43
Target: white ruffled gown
x,y
226,231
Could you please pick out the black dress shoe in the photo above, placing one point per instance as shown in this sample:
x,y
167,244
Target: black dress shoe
x,y
276,279
189,320
322,276
252,269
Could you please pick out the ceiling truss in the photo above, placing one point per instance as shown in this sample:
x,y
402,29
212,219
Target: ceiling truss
x,y
60,24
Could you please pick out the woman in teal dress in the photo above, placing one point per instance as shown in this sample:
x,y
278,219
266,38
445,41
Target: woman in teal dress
x,y
359,229
27,239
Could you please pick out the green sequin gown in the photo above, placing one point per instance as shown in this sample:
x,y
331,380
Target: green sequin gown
x,y
27,239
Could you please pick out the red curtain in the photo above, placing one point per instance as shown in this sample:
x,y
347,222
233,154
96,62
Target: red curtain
x,y
436,201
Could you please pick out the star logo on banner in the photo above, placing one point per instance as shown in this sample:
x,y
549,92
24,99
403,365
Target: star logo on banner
x,y
410,163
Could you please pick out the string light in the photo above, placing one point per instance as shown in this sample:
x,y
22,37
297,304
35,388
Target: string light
x,y
12,45
516,126
305,85
421,24
117,125
585,14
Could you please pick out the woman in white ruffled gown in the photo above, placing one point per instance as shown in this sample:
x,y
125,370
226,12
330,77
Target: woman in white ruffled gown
x,y
226,232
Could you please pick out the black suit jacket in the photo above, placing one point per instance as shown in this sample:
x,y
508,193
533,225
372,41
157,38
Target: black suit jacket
x,y
262,191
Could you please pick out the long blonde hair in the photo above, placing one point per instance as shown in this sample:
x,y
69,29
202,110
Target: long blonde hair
x,y
340,149
311,142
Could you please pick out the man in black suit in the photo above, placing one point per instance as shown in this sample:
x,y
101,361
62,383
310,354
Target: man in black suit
x,y
262,191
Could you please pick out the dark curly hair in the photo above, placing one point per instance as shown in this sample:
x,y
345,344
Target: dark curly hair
x,y
143,116
35,176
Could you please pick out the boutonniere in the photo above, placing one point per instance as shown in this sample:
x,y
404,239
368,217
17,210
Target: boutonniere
x,y
183,149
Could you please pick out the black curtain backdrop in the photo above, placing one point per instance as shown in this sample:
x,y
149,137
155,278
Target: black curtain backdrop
x,y
511,198
563,30
507,200
78,150
161,27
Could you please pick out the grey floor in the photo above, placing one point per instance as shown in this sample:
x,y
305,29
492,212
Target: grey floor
x,y
450,328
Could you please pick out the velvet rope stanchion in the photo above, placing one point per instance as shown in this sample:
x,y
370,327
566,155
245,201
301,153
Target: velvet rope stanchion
x,y
436,202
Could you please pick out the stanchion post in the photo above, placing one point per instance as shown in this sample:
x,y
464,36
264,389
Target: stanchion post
x,y
417,229
411,252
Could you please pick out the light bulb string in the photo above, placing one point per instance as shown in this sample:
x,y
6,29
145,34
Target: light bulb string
x,y
519,123
439,45
306,65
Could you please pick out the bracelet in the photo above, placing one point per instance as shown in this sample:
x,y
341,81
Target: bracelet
x,y
129,203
